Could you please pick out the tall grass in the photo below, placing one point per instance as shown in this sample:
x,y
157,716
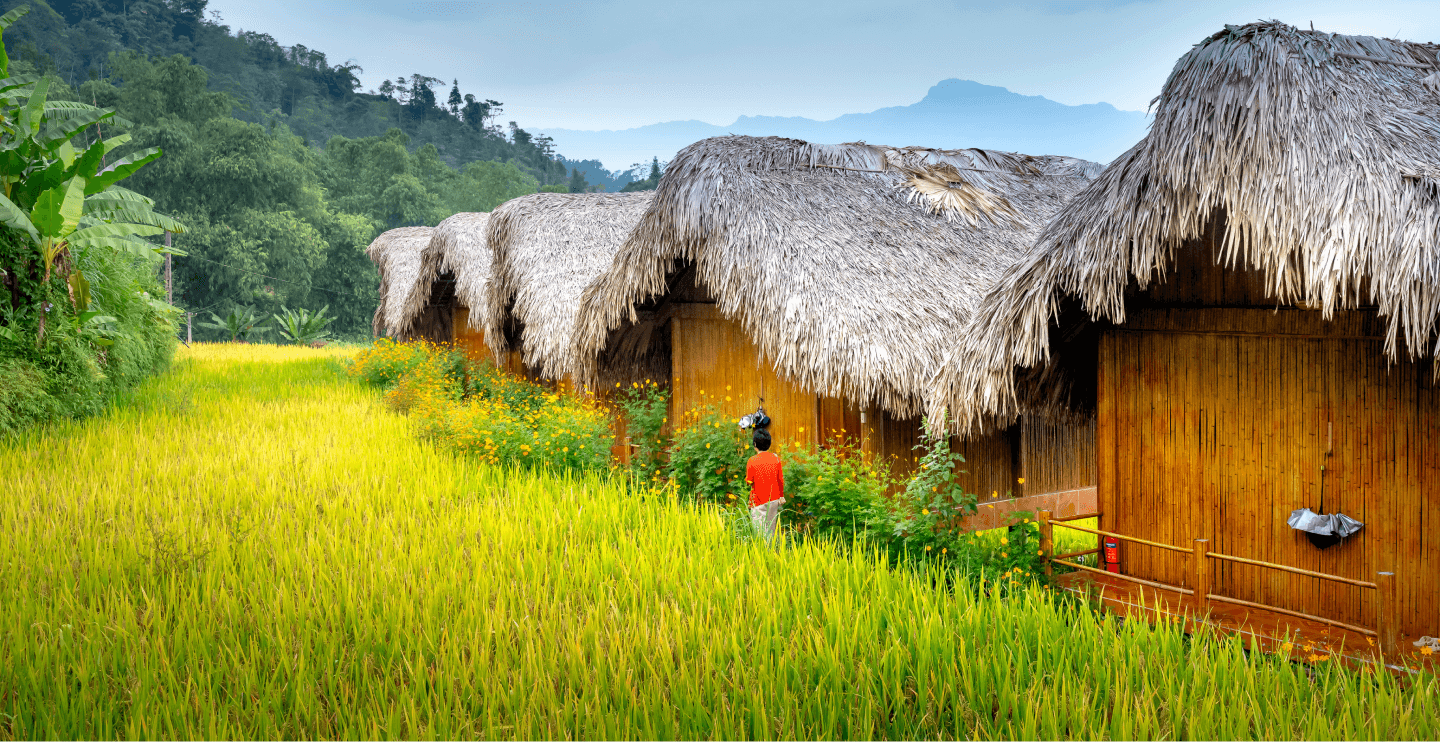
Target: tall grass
x,y
254,547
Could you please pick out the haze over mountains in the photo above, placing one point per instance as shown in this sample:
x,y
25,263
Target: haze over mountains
x,y
953,114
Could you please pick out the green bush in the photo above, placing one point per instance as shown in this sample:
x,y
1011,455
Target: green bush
x,y
80,367
707,459
478,410
645,408
833,492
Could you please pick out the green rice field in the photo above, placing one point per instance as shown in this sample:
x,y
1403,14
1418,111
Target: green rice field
x,y
253,546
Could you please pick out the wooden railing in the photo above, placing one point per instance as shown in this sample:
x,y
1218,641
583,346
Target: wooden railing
x,y
1386,631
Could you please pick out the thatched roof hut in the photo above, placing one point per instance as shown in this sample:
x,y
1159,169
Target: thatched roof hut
x,y
851,266
397,253
1319,153
547,248
458,256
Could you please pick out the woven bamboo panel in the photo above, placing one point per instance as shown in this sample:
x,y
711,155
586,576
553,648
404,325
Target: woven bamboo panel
x,y
1216,422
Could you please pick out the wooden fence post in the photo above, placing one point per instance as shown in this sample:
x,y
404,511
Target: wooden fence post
x,y
1387,615
1200,574
1047,542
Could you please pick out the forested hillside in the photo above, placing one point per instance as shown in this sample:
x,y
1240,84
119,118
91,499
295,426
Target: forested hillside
x,y
281,166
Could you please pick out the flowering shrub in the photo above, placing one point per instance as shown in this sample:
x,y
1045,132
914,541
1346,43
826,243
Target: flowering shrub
x,y
386,362
479,410
556,433
929,513
707,458
644,405
829,492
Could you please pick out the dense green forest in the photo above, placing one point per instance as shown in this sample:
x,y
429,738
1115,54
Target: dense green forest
x,y
281,167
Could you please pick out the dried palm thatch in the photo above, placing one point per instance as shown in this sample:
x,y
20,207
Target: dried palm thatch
x,y
547,248
1316,153
852,266
457,250
397,254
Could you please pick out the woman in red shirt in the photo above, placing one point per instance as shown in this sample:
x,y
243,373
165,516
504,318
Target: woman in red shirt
x,y
766,475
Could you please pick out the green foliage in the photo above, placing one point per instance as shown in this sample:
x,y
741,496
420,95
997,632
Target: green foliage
x,y
707,459
577,182
832,492
554,189
241,324
478,410
386,362
644,407
303,327
928,512
650,182
78,322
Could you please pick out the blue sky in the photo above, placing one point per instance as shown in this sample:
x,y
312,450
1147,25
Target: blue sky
x,y
611,64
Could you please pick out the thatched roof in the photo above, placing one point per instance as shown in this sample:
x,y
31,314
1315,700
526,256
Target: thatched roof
x,y
547,248
457,247
397,254
1320,153
852,266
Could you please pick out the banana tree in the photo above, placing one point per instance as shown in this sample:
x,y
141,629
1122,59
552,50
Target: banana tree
x,y
240,325
303,327
63,198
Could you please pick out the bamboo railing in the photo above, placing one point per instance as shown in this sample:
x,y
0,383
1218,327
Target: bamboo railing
x,y
1386,616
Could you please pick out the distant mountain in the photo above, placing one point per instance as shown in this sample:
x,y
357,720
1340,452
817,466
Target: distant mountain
x,y
953,114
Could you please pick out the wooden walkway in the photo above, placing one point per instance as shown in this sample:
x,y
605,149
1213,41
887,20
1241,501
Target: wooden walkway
x,y
1304,641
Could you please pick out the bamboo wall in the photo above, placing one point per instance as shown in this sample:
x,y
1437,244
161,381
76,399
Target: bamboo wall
x,y
714,363
1219,414
1049,455
472,341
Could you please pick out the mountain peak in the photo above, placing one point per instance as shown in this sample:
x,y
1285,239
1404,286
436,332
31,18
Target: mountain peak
x,y
955,89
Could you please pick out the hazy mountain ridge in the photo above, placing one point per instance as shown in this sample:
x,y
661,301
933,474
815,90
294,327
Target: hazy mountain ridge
x,y
953,114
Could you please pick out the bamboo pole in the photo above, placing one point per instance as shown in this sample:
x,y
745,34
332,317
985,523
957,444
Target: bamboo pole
x,y
1200,574
169,284
1047,542
1387,615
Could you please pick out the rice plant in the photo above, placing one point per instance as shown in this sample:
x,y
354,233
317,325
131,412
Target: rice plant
x,y
254,546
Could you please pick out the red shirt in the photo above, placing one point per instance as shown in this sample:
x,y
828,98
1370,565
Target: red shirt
x,y
766,476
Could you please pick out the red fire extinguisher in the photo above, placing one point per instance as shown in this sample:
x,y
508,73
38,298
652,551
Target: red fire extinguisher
x,y
1112,554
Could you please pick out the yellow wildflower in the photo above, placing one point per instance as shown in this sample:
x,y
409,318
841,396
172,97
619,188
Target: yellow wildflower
x,y
1003,555
927,548
1004,540
924,511
1021,480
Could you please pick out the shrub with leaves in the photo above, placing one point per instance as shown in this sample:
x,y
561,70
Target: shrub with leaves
x,y
645,406
476,409
707,459
386,362
833,492
929,513
79,322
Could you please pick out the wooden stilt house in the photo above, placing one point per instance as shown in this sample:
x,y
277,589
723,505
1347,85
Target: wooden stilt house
x,y
1248,301
828,281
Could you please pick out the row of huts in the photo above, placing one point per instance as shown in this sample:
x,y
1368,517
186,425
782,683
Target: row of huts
x,y
1235,319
